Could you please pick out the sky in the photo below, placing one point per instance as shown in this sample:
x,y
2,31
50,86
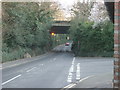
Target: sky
x,y
67,4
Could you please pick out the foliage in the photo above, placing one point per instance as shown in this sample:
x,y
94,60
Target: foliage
x,y
82,9
89,41
26,28
91,38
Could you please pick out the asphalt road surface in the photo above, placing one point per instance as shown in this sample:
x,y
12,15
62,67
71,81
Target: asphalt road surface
x,y
57,70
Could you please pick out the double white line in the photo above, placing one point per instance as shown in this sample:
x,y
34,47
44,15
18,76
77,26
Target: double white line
x,y
71,71
78,72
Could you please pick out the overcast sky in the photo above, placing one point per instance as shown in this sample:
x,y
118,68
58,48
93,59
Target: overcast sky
x,y
67,4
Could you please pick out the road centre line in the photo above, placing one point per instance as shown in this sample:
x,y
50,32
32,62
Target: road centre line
x,y
31,69
69,79
11,79
73,60
78,72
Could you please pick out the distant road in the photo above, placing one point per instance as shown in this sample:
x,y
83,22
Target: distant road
x,y
56,70
63,48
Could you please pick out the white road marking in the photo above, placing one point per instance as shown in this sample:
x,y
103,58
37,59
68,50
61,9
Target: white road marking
x,y
67,86
73,60
86,78
31,69
73,84
71,69
78,72
70,85
11,79
69,79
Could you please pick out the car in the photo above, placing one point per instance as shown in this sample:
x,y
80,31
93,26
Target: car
x,y
67,44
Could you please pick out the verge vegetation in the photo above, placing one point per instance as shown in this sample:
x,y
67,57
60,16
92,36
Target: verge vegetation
x,y
26,29
91,37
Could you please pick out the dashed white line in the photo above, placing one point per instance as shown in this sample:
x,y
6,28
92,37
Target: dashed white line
x,y
11,79
78,72
71,68
69,79
31,69
73,60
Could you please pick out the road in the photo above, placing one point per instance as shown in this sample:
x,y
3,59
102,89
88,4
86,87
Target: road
x,y
56,70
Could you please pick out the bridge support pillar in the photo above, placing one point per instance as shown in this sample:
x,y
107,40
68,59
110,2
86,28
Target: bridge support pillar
x,y
116,82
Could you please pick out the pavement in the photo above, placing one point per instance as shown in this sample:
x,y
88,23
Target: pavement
x,y
58,70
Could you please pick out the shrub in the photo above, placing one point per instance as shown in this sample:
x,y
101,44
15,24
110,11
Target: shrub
x,y
89,41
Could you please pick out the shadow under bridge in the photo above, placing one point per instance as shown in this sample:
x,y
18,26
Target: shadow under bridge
x,y
60,27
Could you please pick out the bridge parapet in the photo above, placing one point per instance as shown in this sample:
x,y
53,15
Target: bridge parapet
x,y
61,23
60,27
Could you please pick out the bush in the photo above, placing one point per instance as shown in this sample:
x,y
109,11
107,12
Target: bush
x,y
13,55
26,29
89,41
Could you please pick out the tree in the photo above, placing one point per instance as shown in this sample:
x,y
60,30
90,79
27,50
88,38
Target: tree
x,y
82,10
98,13
26,27
87,39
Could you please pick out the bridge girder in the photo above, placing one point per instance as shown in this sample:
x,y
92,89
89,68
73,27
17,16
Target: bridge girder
x,y
60,27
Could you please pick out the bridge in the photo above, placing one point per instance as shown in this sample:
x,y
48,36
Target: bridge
x,y
60,27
